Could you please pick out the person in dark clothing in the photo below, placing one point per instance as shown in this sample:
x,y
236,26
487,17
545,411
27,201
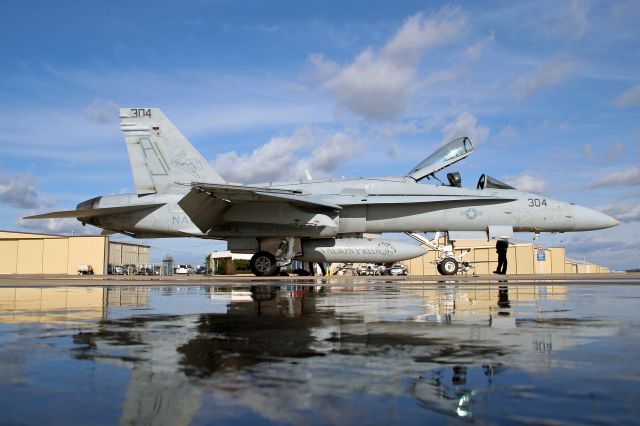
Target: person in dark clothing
x,y
501,248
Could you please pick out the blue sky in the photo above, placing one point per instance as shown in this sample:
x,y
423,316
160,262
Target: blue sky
x,y
548,91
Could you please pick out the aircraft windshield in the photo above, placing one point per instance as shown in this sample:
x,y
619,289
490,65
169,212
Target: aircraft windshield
x,y
487,181
448,154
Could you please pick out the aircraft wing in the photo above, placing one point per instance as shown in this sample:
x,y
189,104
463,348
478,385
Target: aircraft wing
x,y
93,212
238,193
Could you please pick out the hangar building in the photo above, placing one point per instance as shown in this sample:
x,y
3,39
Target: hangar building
x,y
522,258
29,253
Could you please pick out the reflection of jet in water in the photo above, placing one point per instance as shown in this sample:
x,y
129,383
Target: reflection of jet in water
x,y
156,394
450,390
179,194
281,354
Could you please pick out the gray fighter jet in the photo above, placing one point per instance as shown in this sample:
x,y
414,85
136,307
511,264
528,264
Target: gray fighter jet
x,y
179,194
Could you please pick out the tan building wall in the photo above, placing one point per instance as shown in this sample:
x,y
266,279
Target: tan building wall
x,y
521,258
55,256
88,250
115,253
128,254
8,256
30,256
28,253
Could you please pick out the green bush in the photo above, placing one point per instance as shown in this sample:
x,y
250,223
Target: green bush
x,y
221,268
242,266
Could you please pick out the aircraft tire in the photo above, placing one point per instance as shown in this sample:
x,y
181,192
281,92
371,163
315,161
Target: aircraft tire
x,y
263,264
439,268
449,266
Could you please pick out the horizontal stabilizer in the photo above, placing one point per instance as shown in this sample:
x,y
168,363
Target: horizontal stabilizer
x,y
85,213
239,193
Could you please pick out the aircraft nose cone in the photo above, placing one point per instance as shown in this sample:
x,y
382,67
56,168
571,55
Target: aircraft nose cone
x,y
586,219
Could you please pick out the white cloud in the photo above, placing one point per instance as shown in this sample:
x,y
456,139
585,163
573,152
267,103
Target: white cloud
x,y
285,158
627,176
616,150
378,83
419,34
101,111
552,73
475,51
610,248
397,128
66,226
528,182
18,191
392,149
465,125
327,157
509,133
570,20
629,98
623,211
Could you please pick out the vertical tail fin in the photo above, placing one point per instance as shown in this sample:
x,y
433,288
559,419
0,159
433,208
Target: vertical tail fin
x,y
159,154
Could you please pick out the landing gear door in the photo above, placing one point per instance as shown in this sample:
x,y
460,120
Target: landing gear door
x,y
500,232
445,156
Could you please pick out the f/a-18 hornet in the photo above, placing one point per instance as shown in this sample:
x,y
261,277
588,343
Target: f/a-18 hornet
x,y
179,194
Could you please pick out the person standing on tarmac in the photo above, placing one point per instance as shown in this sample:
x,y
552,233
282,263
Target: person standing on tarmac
x,y
501,248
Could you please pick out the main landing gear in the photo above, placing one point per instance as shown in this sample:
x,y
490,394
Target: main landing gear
x,y
263,264
266,263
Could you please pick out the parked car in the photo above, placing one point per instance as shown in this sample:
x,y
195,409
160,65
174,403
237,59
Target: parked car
x,y
202,270
145,271
115,270
398,269
85,270
183,270
130,269
370,269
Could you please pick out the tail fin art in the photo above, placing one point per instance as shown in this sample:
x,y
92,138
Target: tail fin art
x,y
159,154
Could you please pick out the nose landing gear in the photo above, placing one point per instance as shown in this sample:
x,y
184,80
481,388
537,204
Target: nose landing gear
x,y
448,266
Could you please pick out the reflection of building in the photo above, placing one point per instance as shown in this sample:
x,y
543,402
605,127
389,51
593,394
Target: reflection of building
x,y
27,253
522,258
66,304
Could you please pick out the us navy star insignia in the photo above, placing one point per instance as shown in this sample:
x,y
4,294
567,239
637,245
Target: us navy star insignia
x,y
471,213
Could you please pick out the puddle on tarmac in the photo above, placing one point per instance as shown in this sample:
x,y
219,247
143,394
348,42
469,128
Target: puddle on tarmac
x,y
370,353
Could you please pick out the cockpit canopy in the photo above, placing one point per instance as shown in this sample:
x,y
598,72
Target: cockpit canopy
x,y
486,182
445,156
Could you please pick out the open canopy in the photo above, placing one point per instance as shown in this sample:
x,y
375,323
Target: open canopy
x,y
445,156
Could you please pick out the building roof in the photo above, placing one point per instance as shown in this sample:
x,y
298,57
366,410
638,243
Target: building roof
x,y
227,254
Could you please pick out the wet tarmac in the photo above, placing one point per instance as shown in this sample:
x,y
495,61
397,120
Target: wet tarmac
x,y
294,353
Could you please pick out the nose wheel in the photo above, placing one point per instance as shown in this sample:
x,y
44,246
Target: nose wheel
x,y
448,266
